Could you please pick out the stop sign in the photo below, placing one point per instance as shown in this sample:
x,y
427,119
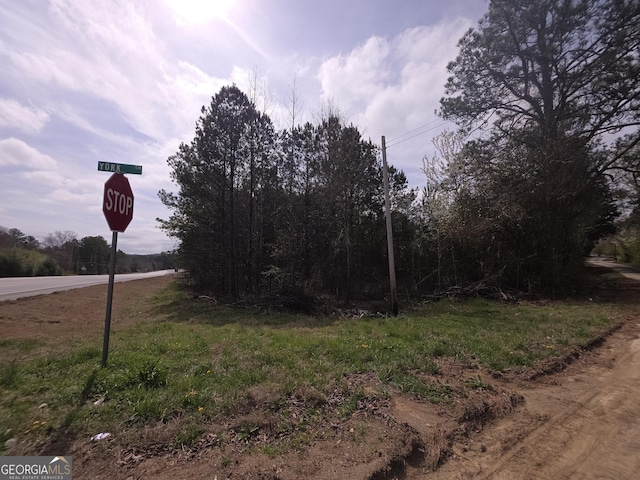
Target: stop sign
x,y
117,203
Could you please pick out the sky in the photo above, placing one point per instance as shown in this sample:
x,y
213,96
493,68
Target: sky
x,y
124,80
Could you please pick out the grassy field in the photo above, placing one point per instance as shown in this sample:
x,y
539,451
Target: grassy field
x,y
190,363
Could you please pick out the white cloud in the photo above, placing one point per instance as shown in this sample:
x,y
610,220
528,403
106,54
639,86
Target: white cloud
x,y
63,196
195,12
189,79
44,177
15,152
56,182
394,83
28,119
358,75
392,86
110,51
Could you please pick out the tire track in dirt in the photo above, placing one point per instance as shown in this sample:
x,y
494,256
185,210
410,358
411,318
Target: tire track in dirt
x,y
584,424
594,437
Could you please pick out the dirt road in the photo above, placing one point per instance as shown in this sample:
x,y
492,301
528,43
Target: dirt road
x,y
624,269
583,423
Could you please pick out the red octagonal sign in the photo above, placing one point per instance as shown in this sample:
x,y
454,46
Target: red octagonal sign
x,y
117,203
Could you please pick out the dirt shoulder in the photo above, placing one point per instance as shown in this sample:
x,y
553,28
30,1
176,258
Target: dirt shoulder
x,y
55,320
578,423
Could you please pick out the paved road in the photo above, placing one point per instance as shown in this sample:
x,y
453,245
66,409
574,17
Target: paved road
x,y
624,269
18,287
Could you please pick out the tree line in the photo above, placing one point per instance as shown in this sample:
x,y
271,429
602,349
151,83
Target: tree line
x,y
546,98
260,210
550,83
61,253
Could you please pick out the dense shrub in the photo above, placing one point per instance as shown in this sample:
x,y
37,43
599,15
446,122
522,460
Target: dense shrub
x,y
18,262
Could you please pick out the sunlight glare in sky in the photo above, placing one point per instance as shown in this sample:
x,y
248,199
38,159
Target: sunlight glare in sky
x,y
194,12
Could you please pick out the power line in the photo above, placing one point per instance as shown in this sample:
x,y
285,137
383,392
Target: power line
x,y
417,134
411,131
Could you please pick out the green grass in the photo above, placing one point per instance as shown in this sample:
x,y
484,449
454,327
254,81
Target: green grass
x,y
197,362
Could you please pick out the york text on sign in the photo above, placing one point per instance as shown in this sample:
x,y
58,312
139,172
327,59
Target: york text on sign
x,y
119,168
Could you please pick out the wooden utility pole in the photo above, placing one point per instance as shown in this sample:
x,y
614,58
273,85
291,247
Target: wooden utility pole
x,y
387,207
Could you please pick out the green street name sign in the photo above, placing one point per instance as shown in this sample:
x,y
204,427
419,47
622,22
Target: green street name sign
x,y
119,168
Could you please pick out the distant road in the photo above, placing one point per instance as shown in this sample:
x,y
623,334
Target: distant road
x,y
625,269
18,287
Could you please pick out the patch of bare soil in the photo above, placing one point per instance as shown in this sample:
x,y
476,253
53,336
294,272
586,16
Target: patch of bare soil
x,y
579,422
579,418
382,439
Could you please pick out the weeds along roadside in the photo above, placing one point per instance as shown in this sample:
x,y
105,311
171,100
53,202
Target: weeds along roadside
x,y
190,364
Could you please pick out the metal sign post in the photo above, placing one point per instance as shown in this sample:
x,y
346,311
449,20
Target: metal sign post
x,y
107,321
